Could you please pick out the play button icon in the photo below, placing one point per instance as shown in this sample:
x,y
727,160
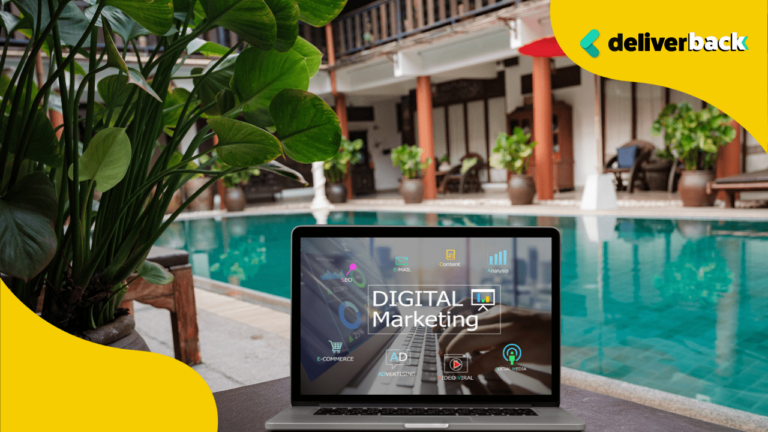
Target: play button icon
x,y
456,364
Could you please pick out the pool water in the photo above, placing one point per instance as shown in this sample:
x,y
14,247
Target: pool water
x,y
675,305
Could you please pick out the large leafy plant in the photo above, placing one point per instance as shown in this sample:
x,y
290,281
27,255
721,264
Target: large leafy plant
x,y
56,235
349,154
512,151
408,159
693,136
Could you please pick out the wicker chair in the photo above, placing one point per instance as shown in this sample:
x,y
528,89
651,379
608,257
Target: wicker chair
x,y
469,182
636,173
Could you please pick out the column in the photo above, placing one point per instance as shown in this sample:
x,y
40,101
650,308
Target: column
x,y
729,159
426,137
542,127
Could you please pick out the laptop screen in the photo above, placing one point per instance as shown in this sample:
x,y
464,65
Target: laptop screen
x,y
434,315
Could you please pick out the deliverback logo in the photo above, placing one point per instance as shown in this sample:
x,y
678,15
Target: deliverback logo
x,y
646,42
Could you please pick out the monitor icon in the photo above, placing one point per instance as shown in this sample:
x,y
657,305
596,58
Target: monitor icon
x,y
483,297
450,254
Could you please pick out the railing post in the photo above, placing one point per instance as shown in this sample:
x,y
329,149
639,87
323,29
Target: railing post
x,y
399,22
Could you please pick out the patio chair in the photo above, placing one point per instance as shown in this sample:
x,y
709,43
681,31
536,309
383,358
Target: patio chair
x,y
178,297
630,159
754,181
455,181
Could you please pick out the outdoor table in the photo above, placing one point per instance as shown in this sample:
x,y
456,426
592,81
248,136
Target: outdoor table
x,y
248,408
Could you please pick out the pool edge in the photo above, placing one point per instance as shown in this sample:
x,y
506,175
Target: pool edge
x,y
264,299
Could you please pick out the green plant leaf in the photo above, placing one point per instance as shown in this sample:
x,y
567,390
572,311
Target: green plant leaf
x,y
308,128
280,169
226,100
206,48
243,145
154,15
122,24
313,55
106,159
318,13
218,80
43,144
27,215
114,91
286,14
72,22
250,19
155,273
260,75
172,107
116,61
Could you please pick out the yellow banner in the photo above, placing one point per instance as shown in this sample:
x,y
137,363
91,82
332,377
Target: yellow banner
x,y
713,50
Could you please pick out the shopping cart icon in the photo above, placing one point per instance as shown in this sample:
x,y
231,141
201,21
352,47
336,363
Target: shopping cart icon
x,y
335,347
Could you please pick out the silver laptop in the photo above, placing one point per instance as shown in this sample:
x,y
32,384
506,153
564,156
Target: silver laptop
x,y
425,328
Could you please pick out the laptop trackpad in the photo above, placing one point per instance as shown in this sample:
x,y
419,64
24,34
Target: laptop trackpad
x,y
426,422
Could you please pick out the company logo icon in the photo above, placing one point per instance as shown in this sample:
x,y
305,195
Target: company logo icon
x,y
342,309
455,364
483,297
512,353
335,347
401,261
588,43
450,254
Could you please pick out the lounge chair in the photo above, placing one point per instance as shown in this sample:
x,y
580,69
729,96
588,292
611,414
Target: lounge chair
x,y
747,182
455,181
631,164
178,297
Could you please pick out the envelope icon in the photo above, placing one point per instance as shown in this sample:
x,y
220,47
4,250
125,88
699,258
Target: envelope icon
x,y
403,261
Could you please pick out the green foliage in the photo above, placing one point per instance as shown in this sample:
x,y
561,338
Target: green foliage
x,y
408,159
349,154
512,151
693,136
86,252
698,275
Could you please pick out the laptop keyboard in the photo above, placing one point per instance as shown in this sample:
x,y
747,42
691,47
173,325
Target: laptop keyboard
x,y
428,411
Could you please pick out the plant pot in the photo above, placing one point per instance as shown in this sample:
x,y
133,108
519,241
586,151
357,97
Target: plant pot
x,y
657,175
120,333
693,188
234,199
204,202
336,192
521,189
412,191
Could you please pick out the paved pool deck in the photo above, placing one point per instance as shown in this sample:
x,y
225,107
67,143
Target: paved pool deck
x,y
245,343
643,204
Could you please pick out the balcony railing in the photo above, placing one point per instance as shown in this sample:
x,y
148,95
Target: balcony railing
x,y
392,20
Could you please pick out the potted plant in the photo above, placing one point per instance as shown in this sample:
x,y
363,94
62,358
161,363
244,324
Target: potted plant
x,y
694,137
336,167
445,163
234,196
83,254
408,159
512,153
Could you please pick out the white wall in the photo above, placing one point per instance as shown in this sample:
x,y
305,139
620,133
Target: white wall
x,y
382,135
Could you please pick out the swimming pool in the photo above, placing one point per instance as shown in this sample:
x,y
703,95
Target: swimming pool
x,y
676,305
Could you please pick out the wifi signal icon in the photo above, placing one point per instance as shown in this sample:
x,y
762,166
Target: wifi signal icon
x,y
512,352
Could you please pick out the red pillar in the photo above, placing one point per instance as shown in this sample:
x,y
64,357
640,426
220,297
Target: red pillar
x,y
426,138
341,101
542,127
729,158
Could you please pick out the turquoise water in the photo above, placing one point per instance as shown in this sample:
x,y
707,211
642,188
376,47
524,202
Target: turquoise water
x,y
676,305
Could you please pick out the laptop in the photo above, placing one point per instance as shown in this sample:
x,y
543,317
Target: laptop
x,y
428,328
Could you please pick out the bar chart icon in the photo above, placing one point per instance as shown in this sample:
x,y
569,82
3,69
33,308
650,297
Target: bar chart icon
x,y
499,258
483,297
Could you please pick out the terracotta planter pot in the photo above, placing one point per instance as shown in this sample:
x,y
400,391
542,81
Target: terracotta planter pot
x,y
336,192
412,191
204,202
693,188
120,333
521,189
234,199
